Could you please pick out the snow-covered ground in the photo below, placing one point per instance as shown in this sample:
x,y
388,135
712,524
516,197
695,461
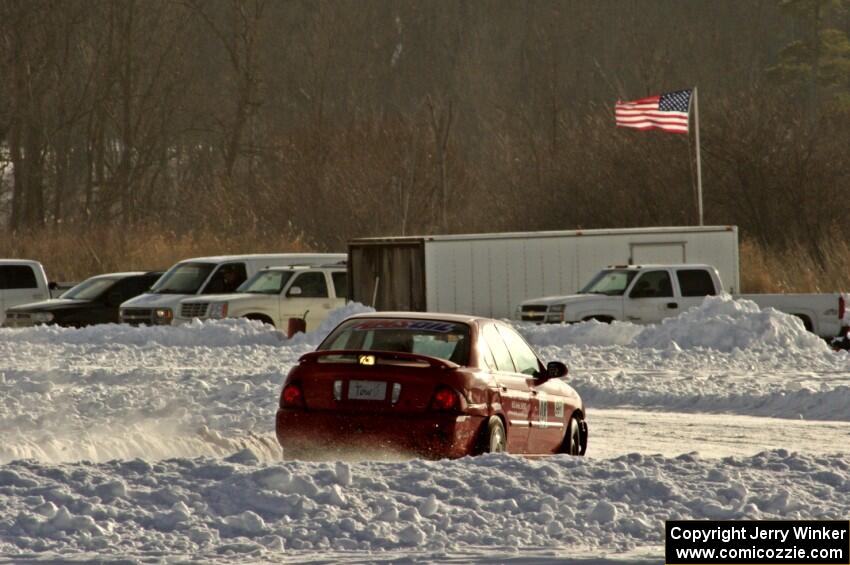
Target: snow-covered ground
x,y
157,444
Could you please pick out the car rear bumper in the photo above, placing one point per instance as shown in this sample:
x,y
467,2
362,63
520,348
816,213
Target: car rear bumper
x,y
304,433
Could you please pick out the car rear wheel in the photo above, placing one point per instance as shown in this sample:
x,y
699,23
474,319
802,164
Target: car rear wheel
x,y
494,440
572,439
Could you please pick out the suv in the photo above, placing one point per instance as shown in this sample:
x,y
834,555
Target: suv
x,y
93,301
204,276
275,295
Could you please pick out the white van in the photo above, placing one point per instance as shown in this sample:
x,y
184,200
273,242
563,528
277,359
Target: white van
x,y
207,275
21,281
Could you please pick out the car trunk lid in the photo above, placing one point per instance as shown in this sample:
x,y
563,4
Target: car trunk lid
x,y
372,381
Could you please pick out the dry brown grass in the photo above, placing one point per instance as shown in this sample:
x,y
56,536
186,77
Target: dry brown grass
x,y
796,269
75,254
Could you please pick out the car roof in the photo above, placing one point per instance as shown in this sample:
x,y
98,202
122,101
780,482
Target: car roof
x,y
126,274
119,275
337,266
19,262
259,257
662,266
457,318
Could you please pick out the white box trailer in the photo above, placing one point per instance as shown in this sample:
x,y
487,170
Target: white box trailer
x,y
490,274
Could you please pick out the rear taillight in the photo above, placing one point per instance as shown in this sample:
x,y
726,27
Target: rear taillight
x,y
292,396
842,307
445,400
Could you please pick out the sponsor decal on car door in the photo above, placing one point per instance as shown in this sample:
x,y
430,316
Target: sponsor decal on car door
x,y
544,430
547,419
513,390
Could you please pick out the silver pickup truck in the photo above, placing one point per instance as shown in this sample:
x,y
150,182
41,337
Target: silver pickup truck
x,y
646,294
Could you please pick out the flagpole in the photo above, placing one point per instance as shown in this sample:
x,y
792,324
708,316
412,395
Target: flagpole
x,y
699,166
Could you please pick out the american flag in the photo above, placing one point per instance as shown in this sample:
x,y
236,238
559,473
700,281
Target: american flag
x,y
667,112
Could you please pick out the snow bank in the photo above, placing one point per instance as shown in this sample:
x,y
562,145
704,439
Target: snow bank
x,y
486,509
724,324
719,323
210,333
722,356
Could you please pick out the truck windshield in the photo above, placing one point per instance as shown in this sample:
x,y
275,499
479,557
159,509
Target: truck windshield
x,y
89,289
435,338
610,283
183,278
266,282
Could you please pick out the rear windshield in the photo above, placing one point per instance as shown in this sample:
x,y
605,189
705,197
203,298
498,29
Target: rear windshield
x,y
183,278
444,340
89,289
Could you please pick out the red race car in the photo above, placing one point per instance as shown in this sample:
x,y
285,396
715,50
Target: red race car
x,y
430,385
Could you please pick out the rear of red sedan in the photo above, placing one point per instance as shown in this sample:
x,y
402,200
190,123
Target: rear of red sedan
x,y
389,385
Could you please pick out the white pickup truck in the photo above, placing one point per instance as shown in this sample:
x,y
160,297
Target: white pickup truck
x,y
274,295
203,276
646,294
21,281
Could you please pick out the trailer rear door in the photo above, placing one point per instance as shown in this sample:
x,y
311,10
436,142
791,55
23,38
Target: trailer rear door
x,y
388,275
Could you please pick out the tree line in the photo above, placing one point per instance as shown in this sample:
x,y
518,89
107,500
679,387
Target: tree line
x,y
329,120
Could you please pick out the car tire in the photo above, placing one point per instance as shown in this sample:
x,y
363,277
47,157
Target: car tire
x,y
260,318
572,439
493,437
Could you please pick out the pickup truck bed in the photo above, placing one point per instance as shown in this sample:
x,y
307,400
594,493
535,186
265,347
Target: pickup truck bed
x,y
820,313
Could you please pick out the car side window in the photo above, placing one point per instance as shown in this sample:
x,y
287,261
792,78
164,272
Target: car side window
x,y
501,355
486,355
340,283
695,282
523,356
133,286
17,276
312,285
227,278
121,288
652,284
147,282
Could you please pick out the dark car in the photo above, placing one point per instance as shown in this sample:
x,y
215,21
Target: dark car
x,y
432,385
93,301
